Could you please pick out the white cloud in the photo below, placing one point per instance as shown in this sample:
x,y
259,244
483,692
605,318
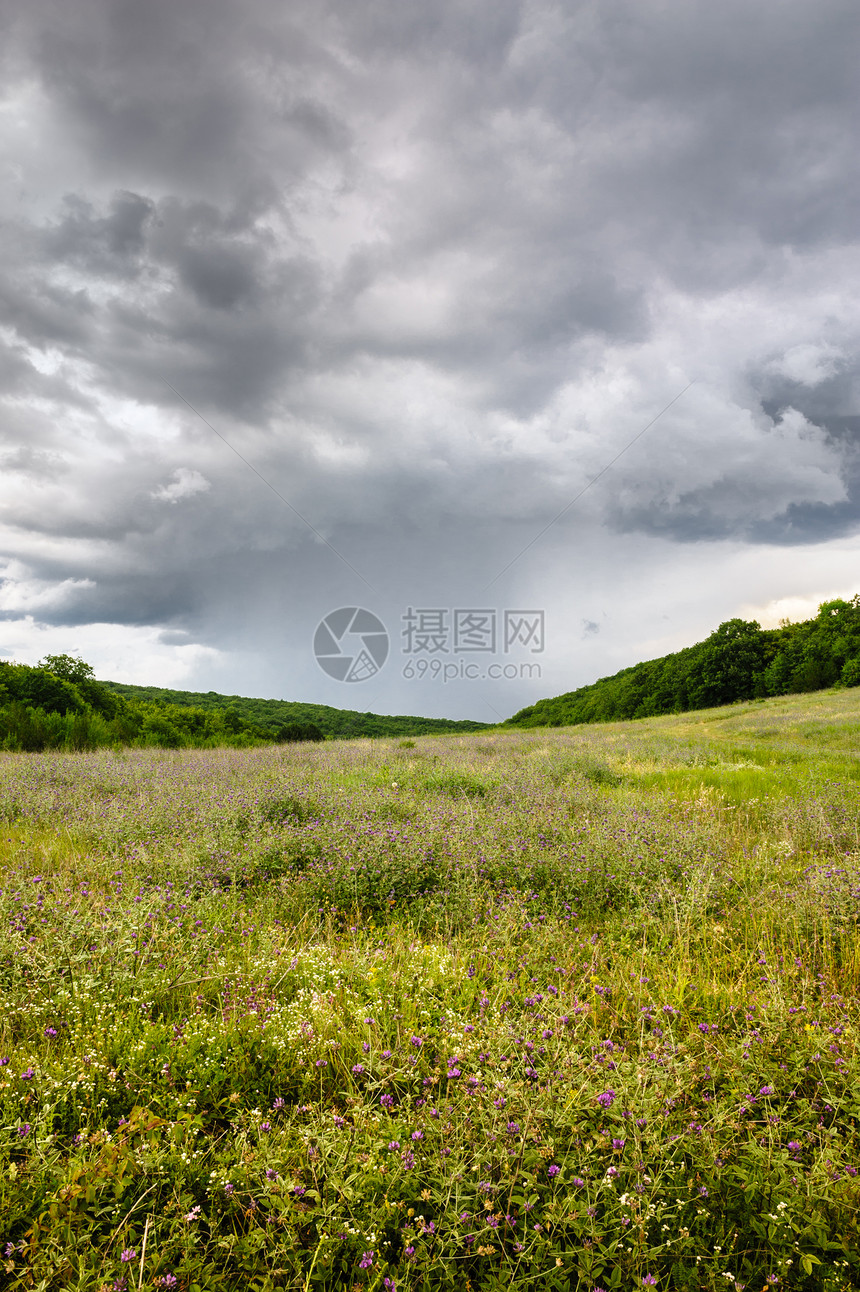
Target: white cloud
x,y
808,363
186,483
117,652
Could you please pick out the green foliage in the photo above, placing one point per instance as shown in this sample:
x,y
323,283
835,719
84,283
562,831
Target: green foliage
x,y
277,715
60,705
739,661
292,1019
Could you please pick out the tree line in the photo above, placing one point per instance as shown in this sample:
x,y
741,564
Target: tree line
x,y
739,661
58,704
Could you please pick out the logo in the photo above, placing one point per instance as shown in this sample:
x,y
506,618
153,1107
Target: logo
x,y
351,644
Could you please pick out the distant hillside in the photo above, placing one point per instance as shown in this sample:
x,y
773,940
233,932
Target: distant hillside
x,y
273,714
740,661
59,704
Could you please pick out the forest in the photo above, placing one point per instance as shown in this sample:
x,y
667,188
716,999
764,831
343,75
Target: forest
x,y
59,704
739,661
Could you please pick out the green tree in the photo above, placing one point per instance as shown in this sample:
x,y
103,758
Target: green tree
x,y
727,664
70,667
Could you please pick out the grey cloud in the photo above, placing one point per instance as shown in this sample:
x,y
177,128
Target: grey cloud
x,y
422,266
107,246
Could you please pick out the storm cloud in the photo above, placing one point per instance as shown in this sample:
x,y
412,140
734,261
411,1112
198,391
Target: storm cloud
x,y
339,304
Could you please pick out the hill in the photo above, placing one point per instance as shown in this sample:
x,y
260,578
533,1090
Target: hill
x,y
272,714
739,661
59,704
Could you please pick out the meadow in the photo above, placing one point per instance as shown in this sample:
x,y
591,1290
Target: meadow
x,y
567,1009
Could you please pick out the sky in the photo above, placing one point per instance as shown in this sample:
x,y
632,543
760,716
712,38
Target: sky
x,y
528,328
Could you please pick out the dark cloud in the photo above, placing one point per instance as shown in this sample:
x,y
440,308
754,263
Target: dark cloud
x,y
429,269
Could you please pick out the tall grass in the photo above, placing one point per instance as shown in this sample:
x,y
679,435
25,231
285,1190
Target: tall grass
x,y
570,1010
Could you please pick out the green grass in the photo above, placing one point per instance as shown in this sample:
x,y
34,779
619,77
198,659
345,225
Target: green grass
x,y
563,1009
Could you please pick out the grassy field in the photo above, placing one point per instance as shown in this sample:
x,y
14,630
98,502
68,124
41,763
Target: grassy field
x,y
567,1009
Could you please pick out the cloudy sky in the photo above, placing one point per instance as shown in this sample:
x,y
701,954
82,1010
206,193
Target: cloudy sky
x,y
318,305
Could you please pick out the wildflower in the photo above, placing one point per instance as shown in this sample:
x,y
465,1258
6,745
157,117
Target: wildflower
x,y
417,1042
192,1214
321,1063
366,1260
387,1101
389,1285
618,1144
553,1170
394,1145
607,1099
50,1031
271,1174
24,1131
167,1281
649,1281
416,1135
513,1128
577,1182
276,1106
28,1074
127,1254
358,1068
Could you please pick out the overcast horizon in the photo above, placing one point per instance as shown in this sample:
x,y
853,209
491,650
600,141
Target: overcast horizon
x,y
544,312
